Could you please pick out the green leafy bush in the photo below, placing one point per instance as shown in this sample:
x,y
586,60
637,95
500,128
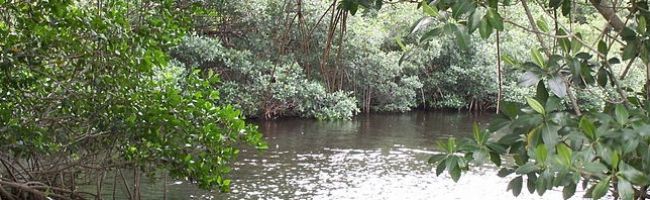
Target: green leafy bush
x,y
262,88
85,89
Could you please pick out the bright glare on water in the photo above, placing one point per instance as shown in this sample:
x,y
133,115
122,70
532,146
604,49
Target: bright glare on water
x,y
380,156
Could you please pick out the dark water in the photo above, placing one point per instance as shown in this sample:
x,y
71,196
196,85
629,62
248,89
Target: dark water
x,y
380,156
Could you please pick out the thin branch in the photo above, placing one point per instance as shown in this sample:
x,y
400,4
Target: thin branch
x,y
540,39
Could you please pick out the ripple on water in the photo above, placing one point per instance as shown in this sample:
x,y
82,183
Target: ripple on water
x,y
395,173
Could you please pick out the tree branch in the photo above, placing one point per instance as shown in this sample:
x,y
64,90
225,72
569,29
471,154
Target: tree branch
x,y
609,13
531,20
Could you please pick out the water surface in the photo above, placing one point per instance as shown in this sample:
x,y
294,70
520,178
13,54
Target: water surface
x,y
379,156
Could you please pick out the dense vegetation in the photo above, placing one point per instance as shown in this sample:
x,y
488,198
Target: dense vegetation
x,y
87,87
318,59
604,151
162,87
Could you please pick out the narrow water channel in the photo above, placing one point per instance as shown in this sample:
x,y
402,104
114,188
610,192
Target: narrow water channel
x,y
379,156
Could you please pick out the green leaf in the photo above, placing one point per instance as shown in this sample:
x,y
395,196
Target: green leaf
x,y
633,175
566,7
441,167
588,128
535,105
429,10
485,29
550,136
542,25
474,21
602,77
615,158
493,3
527,168
436,158
477,133
541,153
601,188
602,47
459,8
451,145
565,154
495,158
503,172
575,44
568,191
628,34
565,43
594,167
454,171
429,34
531,182
508,59
495,19
554,3
621,114
629,51
515,185
529,78
625,190
541,92
462,38
613,61
537,58
557,86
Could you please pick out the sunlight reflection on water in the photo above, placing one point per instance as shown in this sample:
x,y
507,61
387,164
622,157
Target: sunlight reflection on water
x,y
379,156
396,173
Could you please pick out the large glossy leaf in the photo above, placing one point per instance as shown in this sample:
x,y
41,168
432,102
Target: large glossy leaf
x,y
528,79
557,85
